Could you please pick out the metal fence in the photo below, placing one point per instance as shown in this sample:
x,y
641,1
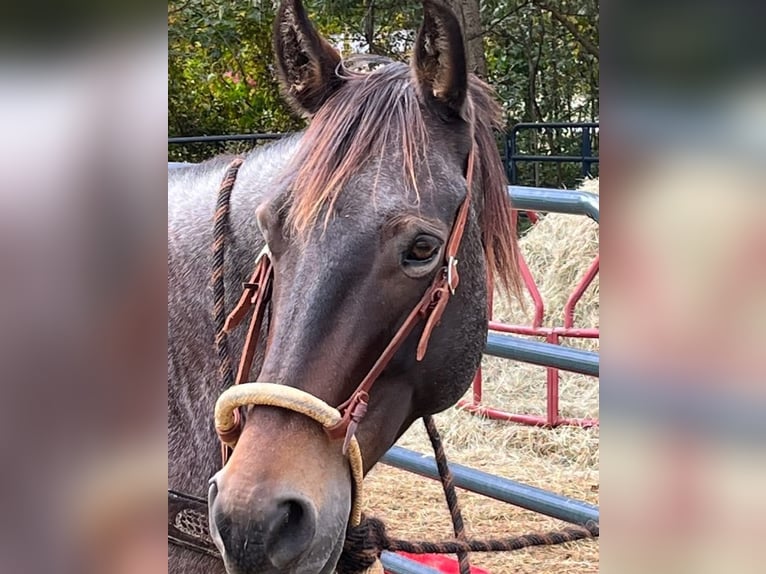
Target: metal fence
x,y
549,354
513,152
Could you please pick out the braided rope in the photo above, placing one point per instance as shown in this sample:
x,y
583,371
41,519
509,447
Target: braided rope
x,y
369,539
567,534
296,400
220,230
448,485
365,542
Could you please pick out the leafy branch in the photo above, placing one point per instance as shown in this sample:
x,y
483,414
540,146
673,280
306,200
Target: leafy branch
x,y
565,21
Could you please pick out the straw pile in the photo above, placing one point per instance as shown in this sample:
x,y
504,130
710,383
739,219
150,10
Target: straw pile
x,y
565,460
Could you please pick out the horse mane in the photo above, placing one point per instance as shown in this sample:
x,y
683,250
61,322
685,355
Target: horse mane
x,y
355,124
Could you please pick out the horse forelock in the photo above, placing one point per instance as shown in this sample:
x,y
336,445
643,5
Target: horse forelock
x,y
358,124
352,128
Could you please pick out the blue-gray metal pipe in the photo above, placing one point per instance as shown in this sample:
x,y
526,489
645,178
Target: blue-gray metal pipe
x,y
503,489
556,158
543,354
543,125
555,200
400,565
225,138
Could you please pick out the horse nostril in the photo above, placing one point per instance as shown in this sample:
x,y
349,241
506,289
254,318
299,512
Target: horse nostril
x,y
212,491
216,521
290,531
260,534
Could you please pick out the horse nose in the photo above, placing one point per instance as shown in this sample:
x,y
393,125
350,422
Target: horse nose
x,y
290,530
261,532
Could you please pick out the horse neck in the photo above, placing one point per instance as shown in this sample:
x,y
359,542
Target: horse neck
x,y
193,380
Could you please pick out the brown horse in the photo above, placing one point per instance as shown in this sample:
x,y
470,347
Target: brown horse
x,y
356,212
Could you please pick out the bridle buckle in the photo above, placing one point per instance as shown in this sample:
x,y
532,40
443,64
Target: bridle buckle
x,y
452,274
265,252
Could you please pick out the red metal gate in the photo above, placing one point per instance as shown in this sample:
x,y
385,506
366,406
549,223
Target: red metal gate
x,y
551,334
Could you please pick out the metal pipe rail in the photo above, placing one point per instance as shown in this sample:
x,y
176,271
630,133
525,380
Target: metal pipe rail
x,y
585,157
543,125
543,354
225,138
556,158
502,489
556,200
397,564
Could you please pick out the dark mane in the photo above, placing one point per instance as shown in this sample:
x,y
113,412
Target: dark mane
x,y
355,124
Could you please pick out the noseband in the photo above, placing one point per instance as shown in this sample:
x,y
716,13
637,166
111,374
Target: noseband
x,y
341,422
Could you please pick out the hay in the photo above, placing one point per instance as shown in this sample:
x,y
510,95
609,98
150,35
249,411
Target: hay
x,y
558,250
564,460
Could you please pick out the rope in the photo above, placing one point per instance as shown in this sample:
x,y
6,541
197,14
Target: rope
x,y
220,230
365,542
448,485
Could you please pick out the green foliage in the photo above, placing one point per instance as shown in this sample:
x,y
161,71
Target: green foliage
x,y
220,72
543,72
541,56
553,142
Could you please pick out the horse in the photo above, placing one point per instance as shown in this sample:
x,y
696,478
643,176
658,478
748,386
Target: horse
x,y
357,212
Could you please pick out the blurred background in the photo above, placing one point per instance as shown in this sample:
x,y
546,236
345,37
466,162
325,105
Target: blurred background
x,y
684,272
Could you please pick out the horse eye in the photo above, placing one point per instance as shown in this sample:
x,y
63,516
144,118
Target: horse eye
x,y
423,249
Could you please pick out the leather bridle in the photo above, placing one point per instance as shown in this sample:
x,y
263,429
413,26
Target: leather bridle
x,y
257,293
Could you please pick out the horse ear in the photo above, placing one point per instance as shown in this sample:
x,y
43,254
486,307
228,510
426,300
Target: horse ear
x,y
306,62
438,60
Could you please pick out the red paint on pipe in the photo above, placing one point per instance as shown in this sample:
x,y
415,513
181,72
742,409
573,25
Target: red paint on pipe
x,y
531,420
577,294
552,335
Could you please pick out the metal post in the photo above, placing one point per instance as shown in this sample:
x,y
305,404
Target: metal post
x,y
534,292
510,150
579,291
585,151
552,387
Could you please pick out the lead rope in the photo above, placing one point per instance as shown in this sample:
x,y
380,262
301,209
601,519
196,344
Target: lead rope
x,y
365,543
448,485
220,230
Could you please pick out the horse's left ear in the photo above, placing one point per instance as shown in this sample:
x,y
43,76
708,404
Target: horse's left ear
x,y
438,60
307,63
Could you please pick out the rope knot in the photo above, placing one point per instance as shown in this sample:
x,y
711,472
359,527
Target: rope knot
x,y
363,546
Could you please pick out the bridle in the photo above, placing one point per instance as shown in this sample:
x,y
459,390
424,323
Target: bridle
x,y
365,539
339,422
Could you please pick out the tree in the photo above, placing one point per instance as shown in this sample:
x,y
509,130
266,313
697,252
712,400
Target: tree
x,y
541,56
469,14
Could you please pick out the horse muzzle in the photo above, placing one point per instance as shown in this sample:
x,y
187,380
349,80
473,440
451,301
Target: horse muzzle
x,y
282,502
